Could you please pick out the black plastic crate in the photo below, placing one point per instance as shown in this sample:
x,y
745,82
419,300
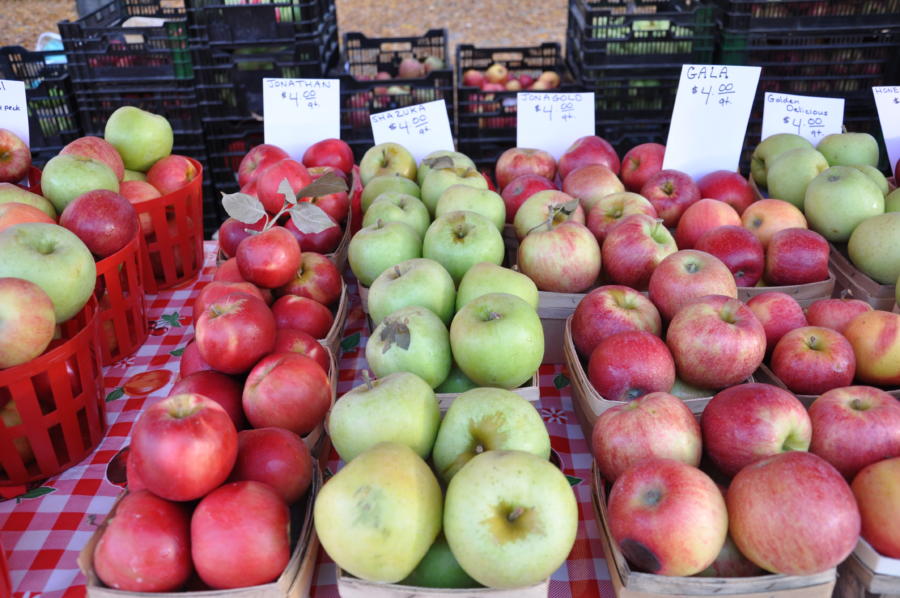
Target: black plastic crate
x,y
52,115
274,21
801,14
227,141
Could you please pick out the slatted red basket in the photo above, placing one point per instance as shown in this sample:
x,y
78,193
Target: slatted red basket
x,y
123,318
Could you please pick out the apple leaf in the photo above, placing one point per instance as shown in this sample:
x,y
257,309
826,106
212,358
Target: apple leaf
x,y
560,381
326,184
351,342
243,207
35,493
438,162
285,189
569,207
173,319
310,218
176,352
116,393
394,333
573,480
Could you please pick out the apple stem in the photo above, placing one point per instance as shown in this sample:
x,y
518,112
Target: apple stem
x,y
397,271
367,379
515,514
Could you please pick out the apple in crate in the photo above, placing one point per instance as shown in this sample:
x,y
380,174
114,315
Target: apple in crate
x,y
329,152
218,290
15,157
702,216
839,199
384,184
14,213
439,158
67,177
302,313
290,340
610,210
276,457
563,259
790,174
670,192
391,206
766,217
684,276
630,364
481,201
634,247
191,361
518,161
438,180
327,237
171,173
10,193
874,247
510,518
608,310
137,192
270,258
727,186
287,390
234,333
221,388
796,256
586,150
141,138
590,183
849,149
411,339
96,149
459,240
317,278
520,189
877,492
27,323
486,277
812,360
779,313
269,183
739,250
769,149
257,160
793,514
546,208
439,569
104,220
374,249
835,313
640,163
419,281
387,159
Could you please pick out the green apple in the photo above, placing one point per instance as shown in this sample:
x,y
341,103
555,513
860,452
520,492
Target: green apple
x,y
892,201
386,159
510,518
440,179
487,419
134,175
486,277
53,258
769,148
838,199
874,247
791,171
849,149
13,193
419,281
873,173
439,569
391,206
459,240
378,516
374,249
385,183
65,177
401,407
497,340
411,339
481,201
141,138
456,160
455,382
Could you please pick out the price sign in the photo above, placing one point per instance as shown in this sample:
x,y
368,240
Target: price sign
x,y
552,121
810,117
14,109
710,117
421,129
301,112
887,99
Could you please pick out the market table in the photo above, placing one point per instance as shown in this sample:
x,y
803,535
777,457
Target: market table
x,y
43,527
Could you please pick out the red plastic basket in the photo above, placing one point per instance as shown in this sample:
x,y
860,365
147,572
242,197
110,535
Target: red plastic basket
x,y
34,180
5,582
53,414
174,248
123,320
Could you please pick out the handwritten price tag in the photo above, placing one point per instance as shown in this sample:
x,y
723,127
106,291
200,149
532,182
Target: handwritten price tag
x,y
887,100
710,117
301,112
552,121
14,109
810,117
421,129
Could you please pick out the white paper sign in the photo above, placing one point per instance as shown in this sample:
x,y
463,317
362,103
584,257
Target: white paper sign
x,y
421,129
553,121
810,117
14,109
301,112
887,99
710,117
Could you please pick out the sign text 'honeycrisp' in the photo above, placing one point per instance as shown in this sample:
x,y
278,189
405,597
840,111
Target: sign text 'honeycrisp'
x,y
887,100
807,116
301,112
14,109
421,129
553,121
710,117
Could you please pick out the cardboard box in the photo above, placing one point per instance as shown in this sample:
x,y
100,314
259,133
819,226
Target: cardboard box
x,y
867,574
803,293
852,284
765,374
352,587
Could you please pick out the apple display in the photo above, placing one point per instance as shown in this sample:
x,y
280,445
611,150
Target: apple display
x,y
769,149
96,149
791,172
875,337
376,248
839,199
67,177
391,206
739,249
487,277
104,220
387,159
849,149
439,180
140,137
728,186
608,310
628,365
411,339
813,360
481,201
779,313
588,150
877,495
633,249
546,209
234,333
796,256
685,275
520,189
702,216
766,217
670,192
590,183
640,163
257,160
459,240
564,259
518,161
874,247
835,313
613,208
27,321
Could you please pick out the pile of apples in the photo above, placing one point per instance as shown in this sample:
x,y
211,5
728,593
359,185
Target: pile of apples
x,y
497,77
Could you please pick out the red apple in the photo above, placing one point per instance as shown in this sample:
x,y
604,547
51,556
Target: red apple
x,y
171,173
232,232
520,189
684,276
875,337
191,361
766,217
329,152
591,183
325,241
257,160
221,388
727,186
518,161
812,360
317,278
564,259
634,248
14,213
27,321
15,157
796,256
270,179
608,211
702,216
473,78
877,492
336,205
234,333
228,271
104,220
835,313
739,250
670,192
132,480
302,313
276,457
608,310
217,290
588,150
629,365
290,340
317,172
97,149
779,313
137,192
640,163
269,259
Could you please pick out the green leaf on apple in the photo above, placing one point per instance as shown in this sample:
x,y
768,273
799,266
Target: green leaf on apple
x,y
326,184
116,393
176,352
173,320
351,342
243,207
438,162
574,480
285,189
35,493
560,381
310,218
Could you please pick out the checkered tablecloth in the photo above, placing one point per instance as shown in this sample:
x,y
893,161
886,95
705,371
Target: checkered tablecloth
x,y
43,529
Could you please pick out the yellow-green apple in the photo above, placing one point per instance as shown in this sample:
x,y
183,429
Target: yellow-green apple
x,y
518,161
650,505
812,360
400,407
877,493
411,339
14,213
640,163
686,275
892,201
387,159
27,323
171,173
590,183
728,186
670,192
839,199
276,457
317,278
302,313
439,569
796,256
133,175
97,149
10,193
269,181
550,78
875,336
418,281
779,313
564,259
481,201
137,192
835,313
270,258
873,173
849,149
634,247
221,388
15,157
442,157
874,247
329,152
510,518
392,206
497,324
440,179
546,209
739,250
630,364
140,137
608,310
854,427
657,425
791,172
67,177
731,563
389,479
459,240
520,189
612,209
487,277
374,249
257,160
703,216
496,73
385,183
716,342
53,258
766,217
287,390
588,150
456,382
793,514
104,220
769,149
291,340
487,419
234,333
